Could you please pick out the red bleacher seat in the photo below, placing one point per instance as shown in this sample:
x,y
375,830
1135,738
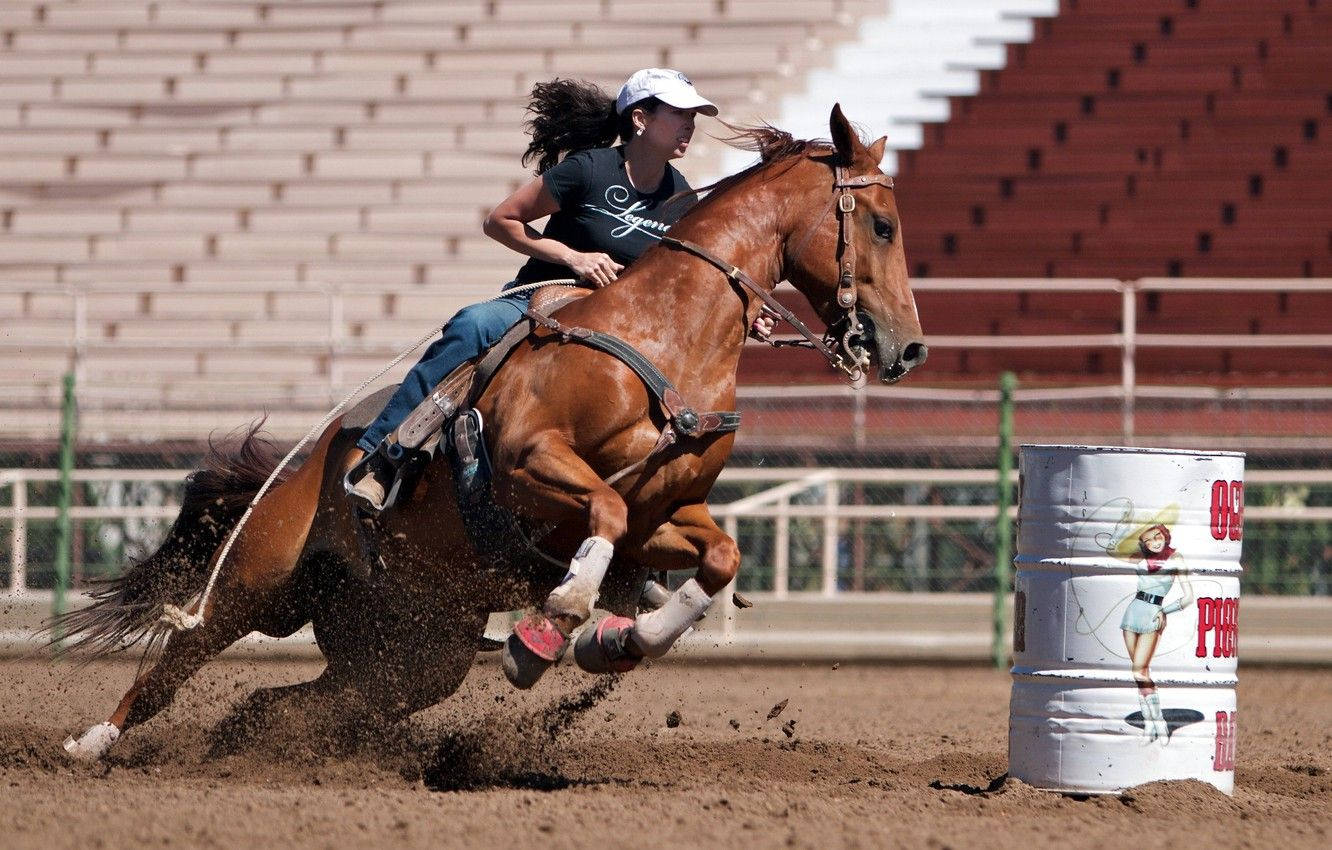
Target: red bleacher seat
x,y
1161,138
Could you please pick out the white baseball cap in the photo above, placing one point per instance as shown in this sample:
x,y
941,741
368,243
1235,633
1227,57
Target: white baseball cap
x,y
670,87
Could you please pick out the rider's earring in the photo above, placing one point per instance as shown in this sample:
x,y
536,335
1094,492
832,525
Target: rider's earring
x,y
640,132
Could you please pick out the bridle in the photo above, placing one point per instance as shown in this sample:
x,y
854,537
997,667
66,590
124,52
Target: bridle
x,y
840,343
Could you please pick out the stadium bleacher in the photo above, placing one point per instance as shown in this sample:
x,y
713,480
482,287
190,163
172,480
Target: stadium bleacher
x,y
227,205
203,202
1200,109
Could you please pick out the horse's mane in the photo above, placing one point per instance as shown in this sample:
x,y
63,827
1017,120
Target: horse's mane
x,y
772,144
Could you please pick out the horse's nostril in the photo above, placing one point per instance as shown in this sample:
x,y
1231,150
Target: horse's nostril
x,y
914,354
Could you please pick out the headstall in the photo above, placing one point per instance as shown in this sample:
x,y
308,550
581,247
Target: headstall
x,y
841,343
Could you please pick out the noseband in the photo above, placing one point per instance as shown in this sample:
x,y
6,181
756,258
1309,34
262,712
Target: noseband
x,y
840,345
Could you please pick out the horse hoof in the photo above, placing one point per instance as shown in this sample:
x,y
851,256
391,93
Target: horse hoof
x,y
533,648
94,743
602,650
522,666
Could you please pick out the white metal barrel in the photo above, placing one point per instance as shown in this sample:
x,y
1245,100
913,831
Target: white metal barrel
x,y
1126,617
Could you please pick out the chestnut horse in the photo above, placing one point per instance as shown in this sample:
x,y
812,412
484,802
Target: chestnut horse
x,y
400,629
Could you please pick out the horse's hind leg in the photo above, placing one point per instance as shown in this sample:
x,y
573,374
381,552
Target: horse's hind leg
x,y
255,594
152,691
556,483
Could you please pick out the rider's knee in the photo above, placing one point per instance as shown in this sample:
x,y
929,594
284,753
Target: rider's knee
x,y
721,562
470,323
484,323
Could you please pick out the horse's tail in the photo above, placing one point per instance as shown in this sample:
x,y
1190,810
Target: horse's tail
x,y
126,608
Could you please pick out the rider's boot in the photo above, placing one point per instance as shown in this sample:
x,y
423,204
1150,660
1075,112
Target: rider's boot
x,y
540,639
372,483
617,644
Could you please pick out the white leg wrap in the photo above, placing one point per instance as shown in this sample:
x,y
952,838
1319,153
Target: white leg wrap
x,y
655,631
94,743
578,591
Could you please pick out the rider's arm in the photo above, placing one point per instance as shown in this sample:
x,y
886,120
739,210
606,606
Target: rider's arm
x,y
509,224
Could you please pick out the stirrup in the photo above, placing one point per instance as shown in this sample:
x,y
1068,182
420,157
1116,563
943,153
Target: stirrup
x,y
388,458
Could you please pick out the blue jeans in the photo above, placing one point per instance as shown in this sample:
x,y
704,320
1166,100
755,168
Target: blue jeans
x,y
471,331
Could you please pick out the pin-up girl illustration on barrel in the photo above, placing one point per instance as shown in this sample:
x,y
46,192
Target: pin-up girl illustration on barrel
x,y
1159,568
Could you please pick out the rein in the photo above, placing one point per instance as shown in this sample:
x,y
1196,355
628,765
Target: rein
x,y
842,354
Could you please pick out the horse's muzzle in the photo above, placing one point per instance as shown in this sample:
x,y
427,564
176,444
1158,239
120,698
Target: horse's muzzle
x,y
913,354
896,359
866,343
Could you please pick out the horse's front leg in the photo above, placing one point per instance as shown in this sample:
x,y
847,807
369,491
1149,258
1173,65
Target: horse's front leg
x,y
553,482
690,539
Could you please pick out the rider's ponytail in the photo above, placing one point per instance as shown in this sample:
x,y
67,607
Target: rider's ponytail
x,y
574,115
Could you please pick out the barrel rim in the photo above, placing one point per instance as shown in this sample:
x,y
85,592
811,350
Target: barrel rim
x,y
1146,450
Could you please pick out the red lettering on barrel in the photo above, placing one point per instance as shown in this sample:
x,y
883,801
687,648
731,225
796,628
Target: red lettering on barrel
x,y
1227,510
1224,757
1220,509
1220,617
1226,638
1236,510
1207,620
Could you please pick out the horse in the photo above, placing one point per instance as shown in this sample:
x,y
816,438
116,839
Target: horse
x,y
399,606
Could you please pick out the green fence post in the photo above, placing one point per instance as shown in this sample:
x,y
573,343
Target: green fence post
x,y
68,427
1003,551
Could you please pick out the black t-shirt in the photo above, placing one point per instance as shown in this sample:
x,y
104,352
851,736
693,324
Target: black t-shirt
x,y
601,211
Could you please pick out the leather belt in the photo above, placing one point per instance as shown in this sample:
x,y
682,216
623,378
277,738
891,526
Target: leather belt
x,y
1147,597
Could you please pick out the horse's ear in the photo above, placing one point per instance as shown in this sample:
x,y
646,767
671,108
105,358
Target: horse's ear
x,y
844,136
876,150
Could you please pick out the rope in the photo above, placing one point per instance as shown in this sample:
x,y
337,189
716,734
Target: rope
x,y
180,619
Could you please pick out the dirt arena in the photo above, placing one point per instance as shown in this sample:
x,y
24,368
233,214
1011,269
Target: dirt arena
x,y
861,756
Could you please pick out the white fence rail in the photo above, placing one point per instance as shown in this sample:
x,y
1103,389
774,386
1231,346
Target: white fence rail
x,y
783,495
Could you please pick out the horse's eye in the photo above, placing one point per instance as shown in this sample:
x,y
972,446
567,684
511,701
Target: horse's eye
x,y
883,228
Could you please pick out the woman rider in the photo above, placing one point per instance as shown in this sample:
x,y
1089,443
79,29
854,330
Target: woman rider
x,y
607,205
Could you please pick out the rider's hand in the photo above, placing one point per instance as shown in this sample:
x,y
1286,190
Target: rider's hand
x,y
762,328
1158,620
600,269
